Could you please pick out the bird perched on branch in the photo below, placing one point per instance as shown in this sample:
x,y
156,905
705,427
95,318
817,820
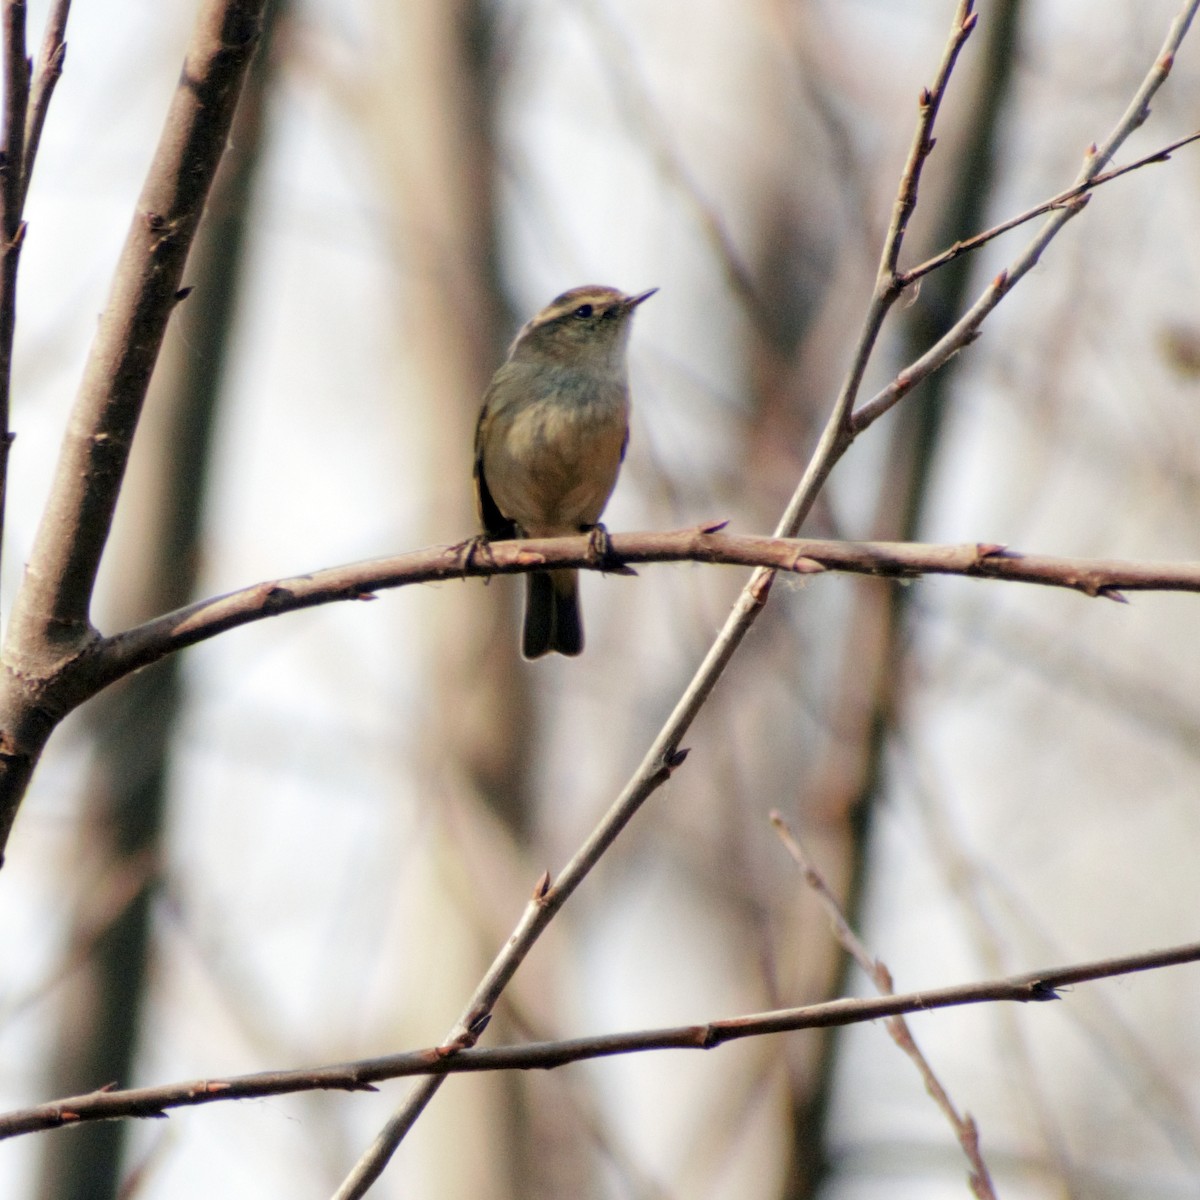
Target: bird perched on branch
x,y
550,440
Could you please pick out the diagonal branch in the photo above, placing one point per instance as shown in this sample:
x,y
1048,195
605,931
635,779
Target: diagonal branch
x,y
965,1129
440,1061
45,78
966,329
1062,200
50,622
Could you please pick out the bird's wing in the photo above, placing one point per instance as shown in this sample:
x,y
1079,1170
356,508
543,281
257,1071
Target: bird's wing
x,y
495,524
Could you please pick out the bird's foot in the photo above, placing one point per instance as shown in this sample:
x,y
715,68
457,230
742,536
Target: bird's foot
x,y
600,551
474,551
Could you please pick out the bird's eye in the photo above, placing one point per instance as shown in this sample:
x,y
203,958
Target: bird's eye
x,y
583,312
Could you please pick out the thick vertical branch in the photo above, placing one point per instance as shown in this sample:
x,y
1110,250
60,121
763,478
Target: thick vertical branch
x,y
50,622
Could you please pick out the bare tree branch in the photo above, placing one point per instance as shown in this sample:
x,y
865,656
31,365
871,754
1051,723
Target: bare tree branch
x,y
108,659
19,137
454,1058
45,78
964,1128
116,656
966,329
12,228
50,622
1064,199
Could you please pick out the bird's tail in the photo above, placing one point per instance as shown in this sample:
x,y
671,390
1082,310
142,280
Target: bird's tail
x,y
552,618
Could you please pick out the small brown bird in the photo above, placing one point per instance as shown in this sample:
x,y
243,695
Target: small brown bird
x,y
550,440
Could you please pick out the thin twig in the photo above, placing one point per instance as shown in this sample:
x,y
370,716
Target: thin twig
x,y
965,1129
440,1061
907,278
966,329
16,104
45,78
12,228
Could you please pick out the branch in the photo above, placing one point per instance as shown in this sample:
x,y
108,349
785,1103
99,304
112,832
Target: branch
x,y
12,137
108,659
19,137
116,656
49,70
907,278
1097,158
12,228
55,598
50,623
965,1129
453,1059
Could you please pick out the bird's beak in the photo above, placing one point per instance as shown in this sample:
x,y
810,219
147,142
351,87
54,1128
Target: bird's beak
x,y
631,302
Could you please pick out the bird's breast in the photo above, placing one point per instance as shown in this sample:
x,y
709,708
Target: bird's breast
x,y
551,461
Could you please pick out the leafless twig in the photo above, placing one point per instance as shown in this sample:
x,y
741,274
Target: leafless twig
x,y
453,1059
45,78
12,228
966,329
964,1128
24,117
906,278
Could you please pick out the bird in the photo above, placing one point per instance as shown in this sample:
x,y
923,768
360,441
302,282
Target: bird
x,y
550,441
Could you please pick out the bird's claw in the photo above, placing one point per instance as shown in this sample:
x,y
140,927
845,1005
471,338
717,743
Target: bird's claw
x,y
600,551
474,551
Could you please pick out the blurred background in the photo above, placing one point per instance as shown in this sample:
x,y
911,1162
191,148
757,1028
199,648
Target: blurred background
x,y
304,841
